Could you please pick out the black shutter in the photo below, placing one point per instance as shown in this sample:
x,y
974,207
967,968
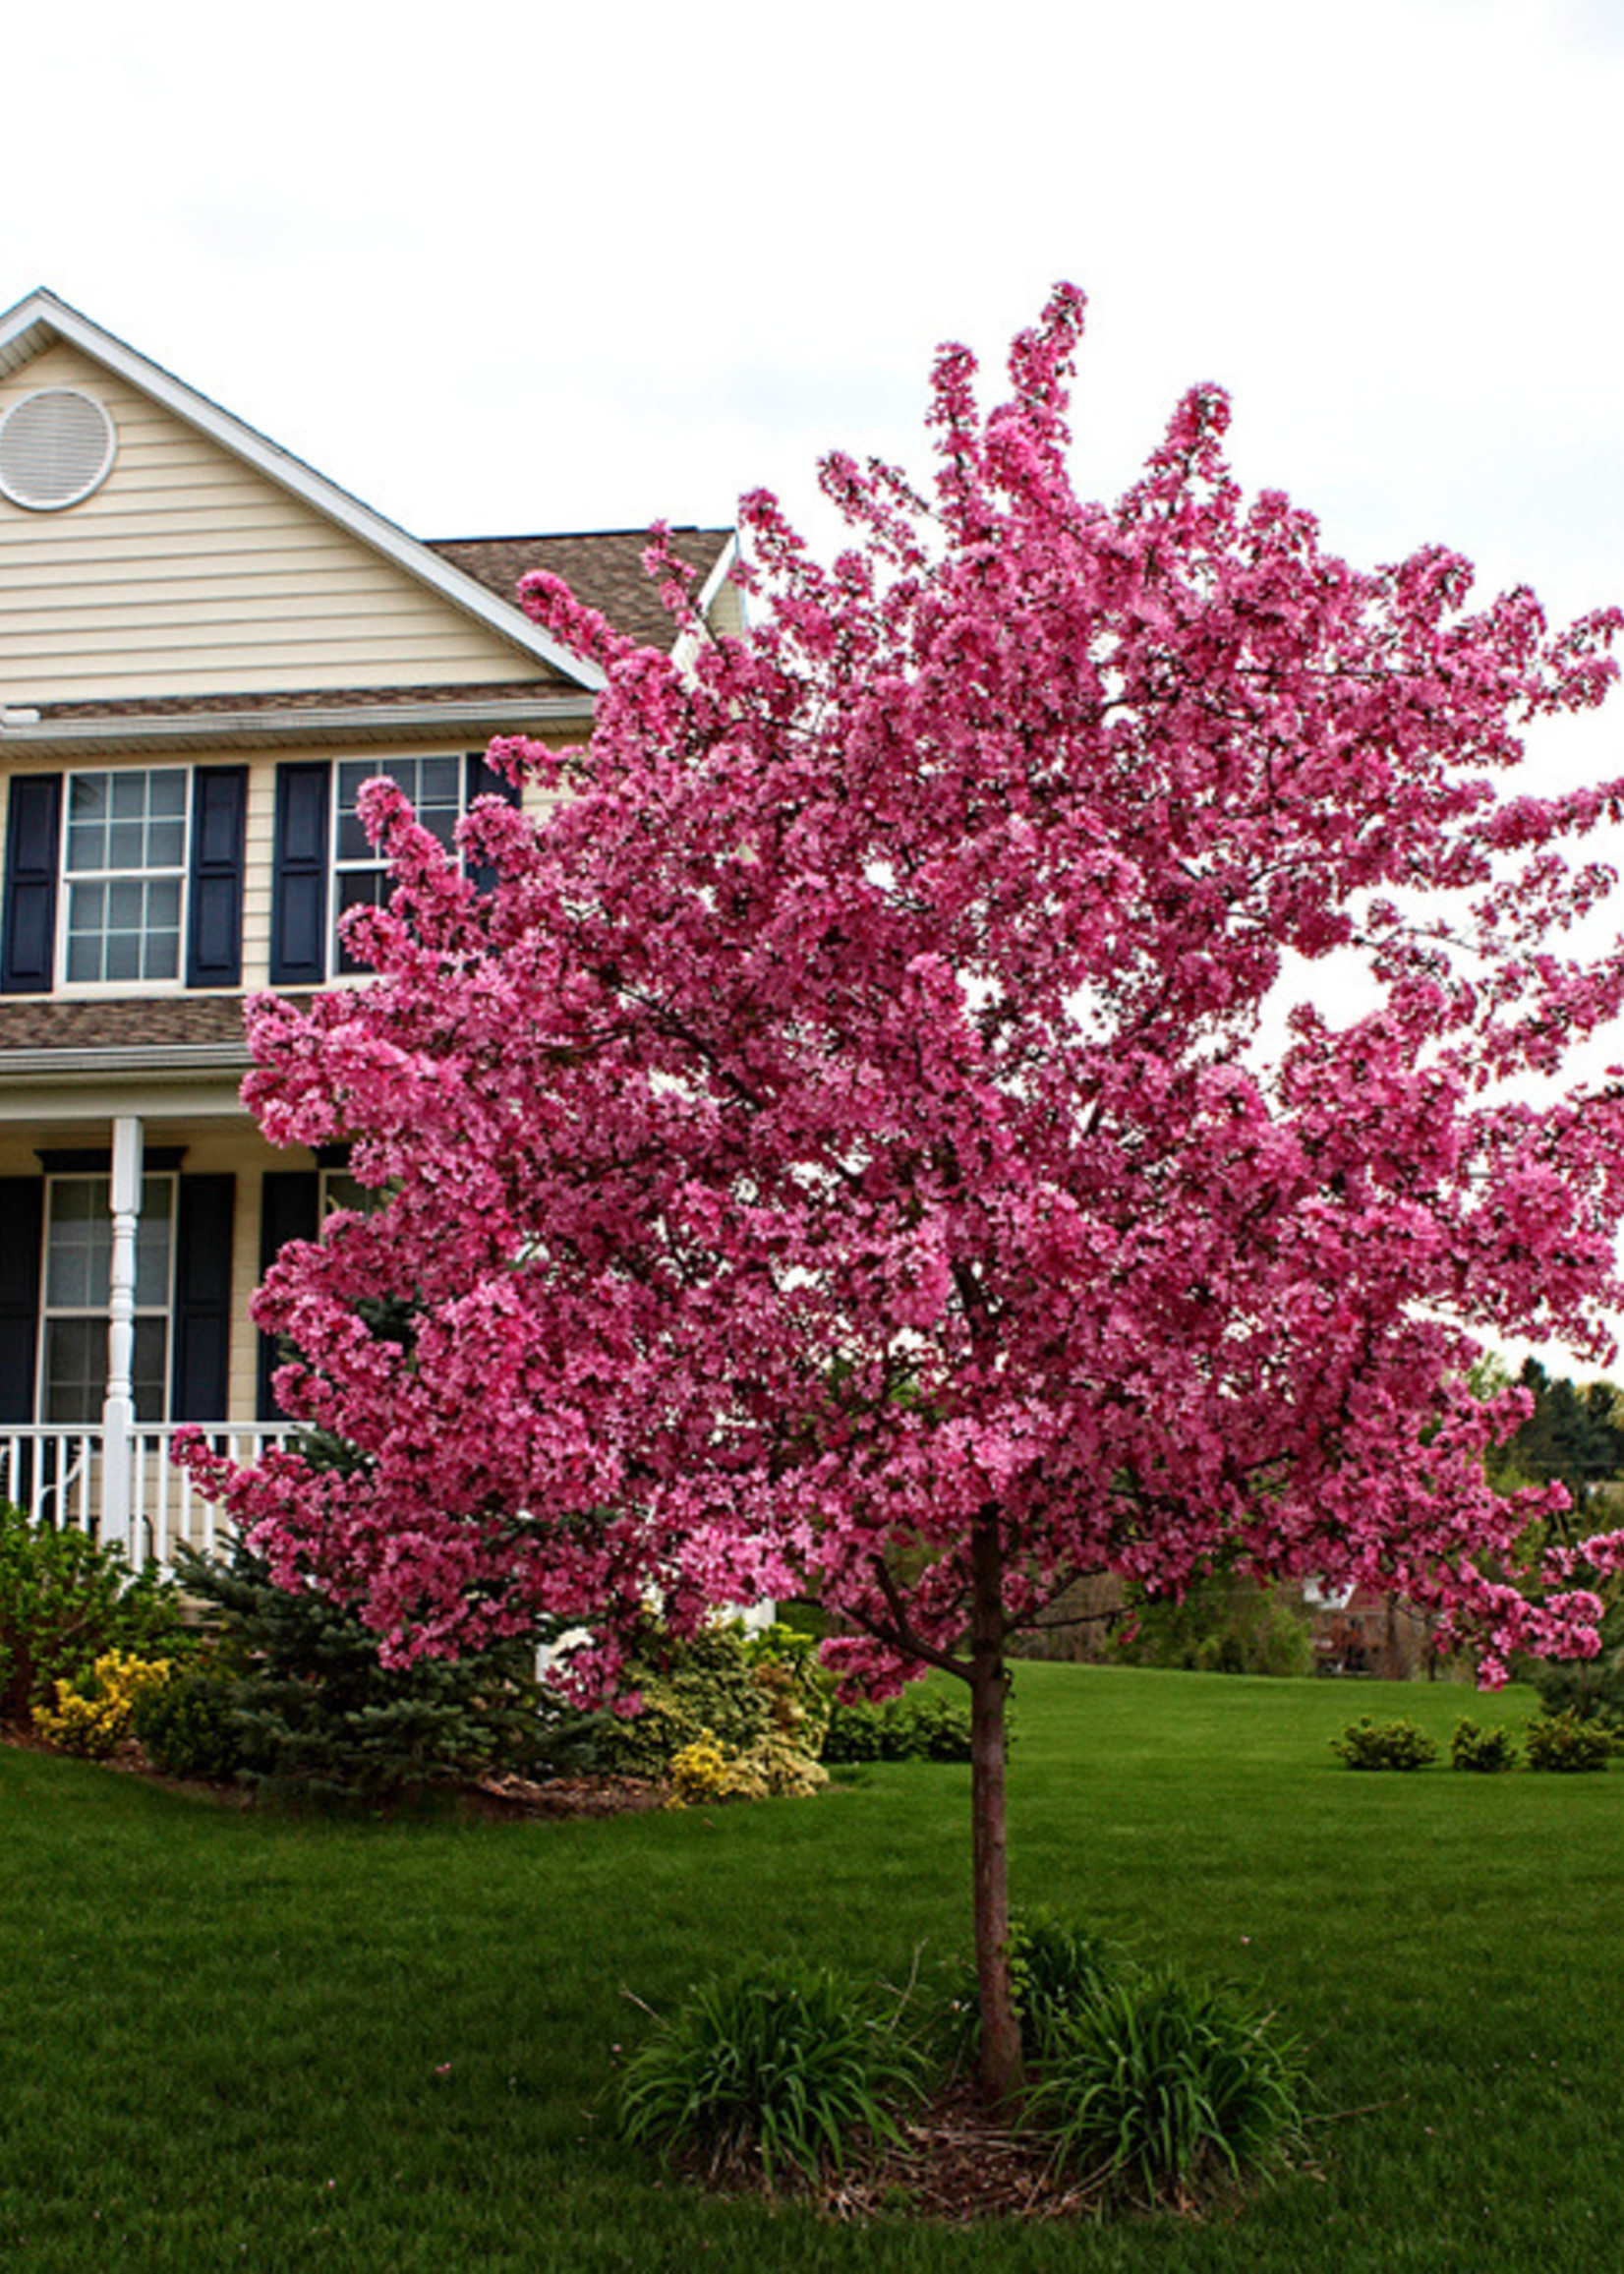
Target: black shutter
x,y
215,925
299,884
22,1242
290,1209
199,1369
480,781
34,837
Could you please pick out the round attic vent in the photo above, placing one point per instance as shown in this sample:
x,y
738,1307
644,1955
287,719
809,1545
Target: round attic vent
x,y
56,445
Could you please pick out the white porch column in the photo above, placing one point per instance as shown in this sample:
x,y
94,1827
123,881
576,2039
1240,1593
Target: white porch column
x,y
118,1412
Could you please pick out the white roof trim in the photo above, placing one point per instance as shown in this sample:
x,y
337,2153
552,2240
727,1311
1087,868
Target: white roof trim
x,y
686,649
179,729
722,569
26,329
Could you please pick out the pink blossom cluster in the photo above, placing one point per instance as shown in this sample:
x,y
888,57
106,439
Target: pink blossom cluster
x,y
839,1132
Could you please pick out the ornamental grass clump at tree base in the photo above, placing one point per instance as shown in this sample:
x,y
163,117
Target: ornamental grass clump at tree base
x,y
835,1151
782,2068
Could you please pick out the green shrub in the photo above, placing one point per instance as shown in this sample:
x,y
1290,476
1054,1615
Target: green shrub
x,y
1161,2090
732,1688
1563,1744
919,1726
64,1602
187,1726
310,1709
783,2068
1368,1744
1488,1751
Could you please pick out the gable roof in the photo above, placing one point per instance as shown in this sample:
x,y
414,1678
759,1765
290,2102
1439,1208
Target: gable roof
x,y
41,321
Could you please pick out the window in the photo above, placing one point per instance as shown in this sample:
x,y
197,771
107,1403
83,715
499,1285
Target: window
x,y
124,868
435,787
79,1253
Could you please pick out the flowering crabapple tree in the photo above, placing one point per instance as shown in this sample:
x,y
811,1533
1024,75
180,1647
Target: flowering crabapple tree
x,y
840,1152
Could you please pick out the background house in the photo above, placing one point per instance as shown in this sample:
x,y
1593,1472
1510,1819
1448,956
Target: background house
x,y
206,648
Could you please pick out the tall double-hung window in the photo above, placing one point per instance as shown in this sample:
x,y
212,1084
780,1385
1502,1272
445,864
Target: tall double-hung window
x,y
435,787
124,870
79,1255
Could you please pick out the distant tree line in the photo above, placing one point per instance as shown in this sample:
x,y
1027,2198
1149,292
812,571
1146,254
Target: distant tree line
x,y
1575,1436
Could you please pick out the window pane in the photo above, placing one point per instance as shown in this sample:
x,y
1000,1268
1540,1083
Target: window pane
x,y
150,1371
79,1244
166,844
152,1244
163,929
126,846
76,1369
440,781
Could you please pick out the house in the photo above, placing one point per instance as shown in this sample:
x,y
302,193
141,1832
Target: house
x,y
206,648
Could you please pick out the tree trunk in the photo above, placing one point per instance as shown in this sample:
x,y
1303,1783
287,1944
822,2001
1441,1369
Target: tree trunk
x,y
1001,2073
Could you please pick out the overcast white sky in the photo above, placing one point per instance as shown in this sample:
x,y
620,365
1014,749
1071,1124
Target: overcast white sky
x,y
506,267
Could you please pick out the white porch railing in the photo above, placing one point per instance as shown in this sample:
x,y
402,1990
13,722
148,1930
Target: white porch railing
x,y
55,1472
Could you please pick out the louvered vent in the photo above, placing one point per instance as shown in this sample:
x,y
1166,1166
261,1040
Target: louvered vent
x,y
55,447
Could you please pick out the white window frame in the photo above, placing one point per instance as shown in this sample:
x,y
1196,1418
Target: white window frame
x,y
69,878
98,1313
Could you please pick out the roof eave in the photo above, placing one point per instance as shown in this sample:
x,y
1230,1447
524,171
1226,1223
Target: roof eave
x,y
270,729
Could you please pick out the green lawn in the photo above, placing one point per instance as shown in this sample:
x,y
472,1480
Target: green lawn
x,y
237,2039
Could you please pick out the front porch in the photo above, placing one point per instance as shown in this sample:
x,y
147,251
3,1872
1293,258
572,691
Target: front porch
x,y
122,1487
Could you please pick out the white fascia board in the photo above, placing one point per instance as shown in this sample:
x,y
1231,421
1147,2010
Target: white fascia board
x,y
722,568
43,311
686,650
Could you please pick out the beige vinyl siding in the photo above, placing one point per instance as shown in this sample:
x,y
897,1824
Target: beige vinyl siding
x,y
189,573
727,611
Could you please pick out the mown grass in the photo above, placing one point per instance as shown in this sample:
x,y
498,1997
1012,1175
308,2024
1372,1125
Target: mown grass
x,y
239,2039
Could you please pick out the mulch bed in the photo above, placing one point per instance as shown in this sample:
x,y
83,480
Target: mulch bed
x,y
500,1799
956,2163
519,1796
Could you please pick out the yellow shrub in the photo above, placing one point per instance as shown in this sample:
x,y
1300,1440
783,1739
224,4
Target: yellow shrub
x,y
97,1724
708,1771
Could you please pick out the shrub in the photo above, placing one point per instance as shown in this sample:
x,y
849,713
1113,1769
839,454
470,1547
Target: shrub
x,y
64,1602
309,1708
1368,1744
1160,2089
95,1716
709,1770
1488,1751
725,1687
187,1726
1563,1744
919,1726
782,2067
